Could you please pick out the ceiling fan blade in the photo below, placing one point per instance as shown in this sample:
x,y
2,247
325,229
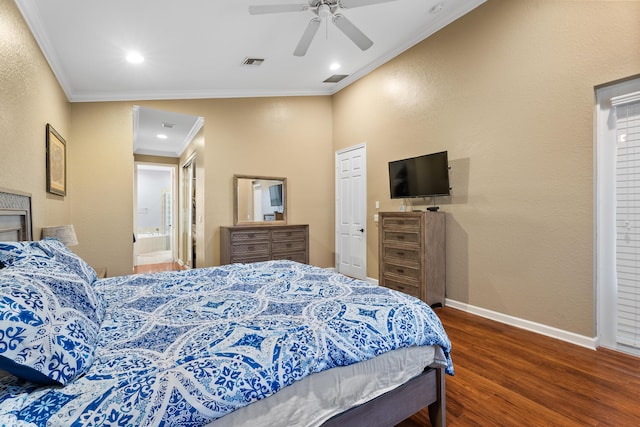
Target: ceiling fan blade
x,y
351,31
307,37
348,4
277,8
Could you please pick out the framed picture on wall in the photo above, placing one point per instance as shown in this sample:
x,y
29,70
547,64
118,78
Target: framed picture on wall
x,y
56,162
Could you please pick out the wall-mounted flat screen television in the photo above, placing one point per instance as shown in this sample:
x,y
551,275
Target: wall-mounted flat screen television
x,y
275,193
422,176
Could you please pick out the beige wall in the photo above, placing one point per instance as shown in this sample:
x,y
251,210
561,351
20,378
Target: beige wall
x,y
289,137
508,91
30,97
102,166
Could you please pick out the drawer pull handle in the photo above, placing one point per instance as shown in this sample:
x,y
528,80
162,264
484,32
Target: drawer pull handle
x,y
400,270
400,222
251,248
288,245
289,234
400,287
400,237
251,235
400,253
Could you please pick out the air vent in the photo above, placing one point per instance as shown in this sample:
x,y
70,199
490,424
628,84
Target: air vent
x,y
168,125
253,62
336,78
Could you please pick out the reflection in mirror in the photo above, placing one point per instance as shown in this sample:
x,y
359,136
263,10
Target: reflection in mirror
x,y
259,199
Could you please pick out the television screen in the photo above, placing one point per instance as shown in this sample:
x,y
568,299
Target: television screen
x,y
422,176
275,192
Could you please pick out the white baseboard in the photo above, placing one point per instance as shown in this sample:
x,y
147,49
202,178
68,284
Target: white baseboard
x,y
539,328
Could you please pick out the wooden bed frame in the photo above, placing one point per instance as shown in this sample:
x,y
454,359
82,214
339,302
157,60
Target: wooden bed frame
x,y
386,410
389,409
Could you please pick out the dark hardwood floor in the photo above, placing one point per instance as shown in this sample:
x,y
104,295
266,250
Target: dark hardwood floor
x,y
506,376
154,268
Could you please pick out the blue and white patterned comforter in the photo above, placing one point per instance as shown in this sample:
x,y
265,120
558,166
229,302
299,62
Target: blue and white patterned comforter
x,y
185,348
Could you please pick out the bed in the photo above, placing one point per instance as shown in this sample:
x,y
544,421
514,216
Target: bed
x,y
272,343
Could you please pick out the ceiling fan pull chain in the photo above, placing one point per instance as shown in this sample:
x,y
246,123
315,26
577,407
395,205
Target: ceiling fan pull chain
x,y
326,29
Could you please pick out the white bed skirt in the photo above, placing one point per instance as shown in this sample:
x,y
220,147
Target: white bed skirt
x,y
320,396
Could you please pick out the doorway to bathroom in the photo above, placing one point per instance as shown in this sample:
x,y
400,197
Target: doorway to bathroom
x,y
156,213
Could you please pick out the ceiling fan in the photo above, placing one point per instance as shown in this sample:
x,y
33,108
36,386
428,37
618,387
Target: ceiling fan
x,y
324,9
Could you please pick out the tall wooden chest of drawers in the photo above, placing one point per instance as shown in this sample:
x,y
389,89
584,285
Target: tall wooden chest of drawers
x,y
263,243
411,251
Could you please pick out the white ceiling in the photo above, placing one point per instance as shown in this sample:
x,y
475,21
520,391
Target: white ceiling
x,y
178,128
195,48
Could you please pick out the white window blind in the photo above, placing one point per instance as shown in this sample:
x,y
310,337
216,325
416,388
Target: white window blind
x,y
628,218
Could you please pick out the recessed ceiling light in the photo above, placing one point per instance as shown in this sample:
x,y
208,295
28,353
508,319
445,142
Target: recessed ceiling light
x,y
334,66
162,136
135,58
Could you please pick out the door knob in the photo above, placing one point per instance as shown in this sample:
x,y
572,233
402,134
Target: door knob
x,y
361,230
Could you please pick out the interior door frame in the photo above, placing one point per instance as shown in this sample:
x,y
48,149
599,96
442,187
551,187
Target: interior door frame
x,y
173,235
187,220
338,206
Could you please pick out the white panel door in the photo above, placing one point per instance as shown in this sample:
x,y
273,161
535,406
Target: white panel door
x,y
628,220
351,211
617,216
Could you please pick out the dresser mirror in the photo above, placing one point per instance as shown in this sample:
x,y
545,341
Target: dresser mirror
x,y
259,200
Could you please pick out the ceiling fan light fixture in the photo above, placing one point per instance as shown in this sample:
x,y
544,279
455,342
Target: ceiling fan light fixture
x,y
324,11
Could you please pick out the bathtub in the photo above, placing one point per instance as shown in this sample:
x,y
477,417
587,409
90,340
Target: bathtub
x,y
151,242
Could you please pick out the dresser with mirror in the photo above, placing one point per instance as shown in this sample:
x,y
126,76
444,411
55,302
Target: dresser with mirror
x,y
261,231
